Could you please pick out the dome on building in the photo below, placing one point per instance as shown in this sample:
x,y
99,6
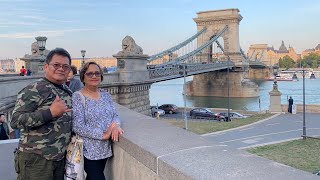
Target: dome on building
x,y
283,48
317,47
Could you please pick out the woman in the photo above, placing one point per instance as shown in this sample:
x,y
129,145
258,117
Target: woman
x,y
95,120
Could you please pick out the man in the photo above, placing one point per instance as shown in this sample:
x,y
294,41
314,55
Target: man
x,y
43,114
4,128
290,105
73,83
23,71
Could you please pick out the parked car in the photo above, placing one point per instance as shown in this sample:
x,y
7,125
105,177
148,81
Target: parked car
x,y
155,109
221,116
233,115
169,108
203,113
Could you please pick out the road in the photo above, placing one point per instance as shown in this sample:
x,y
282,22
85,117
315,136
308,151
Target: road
x,y
281,128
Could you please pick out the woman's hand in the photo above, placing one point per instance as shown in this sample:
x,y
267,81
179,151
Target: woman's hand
x,y
107,134
116,131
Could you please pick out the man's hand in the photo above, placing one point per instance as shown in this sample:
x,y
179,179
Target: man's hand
x,y
58,107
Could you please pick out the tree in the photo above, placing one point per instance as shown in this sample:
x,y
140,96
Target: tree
x,y
286,62
312,60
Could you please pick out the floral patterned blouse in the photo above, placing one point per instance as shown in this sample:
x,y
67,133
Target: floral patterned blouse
x,y
91,121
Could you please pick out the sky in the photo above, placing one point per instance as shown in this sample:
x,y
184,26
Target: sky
x,y
98,26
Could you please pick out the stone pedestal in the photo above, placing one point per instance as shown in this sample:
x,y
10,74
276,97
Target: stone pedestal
x,y
216,84
275,99
133,74
34,63
132,68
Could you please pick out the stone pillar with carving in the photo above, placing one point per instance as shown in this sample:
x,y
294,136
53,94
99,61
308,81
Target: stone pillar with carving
x,y
275,99
35,61
133,77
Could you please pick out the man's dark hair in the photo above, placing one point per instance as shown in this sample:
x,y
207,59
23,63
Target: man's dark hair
x,y
22,66
2,114
85,68
58,51
74,70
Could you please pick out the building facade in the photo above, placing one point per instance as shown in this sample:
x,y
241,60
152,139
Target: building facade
x,y
269,55
104,62
315,50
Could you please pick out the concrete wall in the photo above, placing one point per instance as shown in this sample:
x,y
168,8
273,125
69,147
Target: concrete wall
x,y
152,149
259,73
310,108
10,86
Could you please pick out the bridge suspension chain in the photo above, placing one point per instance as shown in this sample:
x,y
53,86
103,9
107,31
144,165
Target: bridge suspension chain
x,y
177,47
198,50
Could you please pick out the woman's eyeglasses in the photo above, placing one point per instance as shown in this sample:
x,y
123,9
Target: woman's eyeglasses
x,y
65,67
90,74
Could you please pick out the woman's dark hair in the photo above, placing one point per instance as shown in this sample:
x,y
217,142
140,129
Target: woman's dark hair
x,y
85,68
74,70
58,51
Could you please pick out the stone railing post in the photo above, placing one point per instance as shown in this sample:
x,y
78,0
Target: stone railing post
x,y
275,99
133,77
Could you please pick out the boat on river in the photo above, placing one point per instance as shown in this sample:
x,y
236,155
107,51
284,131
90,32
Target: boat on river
x,y
280,78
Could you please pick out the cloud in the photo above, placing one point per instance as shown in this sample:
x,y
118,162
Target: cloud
x,y
18,23
50,33
41,18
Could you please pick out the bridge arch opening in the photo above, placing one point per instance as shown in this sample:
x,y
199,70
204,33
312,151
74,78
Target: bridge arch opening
x,y
214,51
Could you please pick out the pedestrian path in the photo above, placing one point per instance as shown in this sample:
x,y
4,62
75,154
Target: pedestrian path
x,y
284,127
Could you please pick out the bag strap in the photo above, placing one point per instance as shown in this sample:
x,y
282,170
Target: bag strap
x,y
83,99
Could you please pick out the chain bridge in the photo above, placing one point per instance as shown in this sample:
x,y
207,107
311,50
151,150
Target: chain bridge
x,y
212,56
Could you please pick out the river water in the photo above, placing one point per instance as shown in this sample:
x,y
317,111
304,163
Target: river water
x,y
171,92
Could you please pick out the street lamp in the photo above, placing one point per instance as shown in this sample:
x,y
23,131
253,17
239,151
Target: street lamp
x,y
83,54
304,130
184,73
41,40
228,88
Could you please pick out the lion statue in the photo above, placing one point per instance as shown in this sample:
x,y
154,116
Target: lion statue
x,y
129,47
35,50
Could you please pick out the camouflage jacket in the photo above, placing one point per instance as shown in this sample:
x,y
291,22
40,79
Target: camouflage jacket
x,y
40,132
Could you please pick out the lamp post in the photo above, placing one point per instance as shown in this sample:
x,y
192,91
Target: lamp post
x,y
41,40
228,88
184,73
304,130
83,54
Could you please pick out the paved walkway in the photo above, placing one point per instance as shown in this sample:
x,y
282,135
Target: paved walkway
x,y
281,128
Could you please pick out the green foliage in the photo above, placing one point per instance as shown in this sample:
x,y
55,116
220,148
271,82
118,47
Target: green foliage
x,y
310,61
286,62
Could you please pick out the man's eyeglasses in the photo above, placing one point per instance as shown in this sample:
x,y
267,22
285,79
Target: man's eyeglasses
x,y
90,74
65,67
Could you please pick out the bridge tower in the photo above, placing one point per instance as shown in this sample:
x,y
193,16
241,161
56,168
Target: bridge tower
x,y
215,21
216,83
